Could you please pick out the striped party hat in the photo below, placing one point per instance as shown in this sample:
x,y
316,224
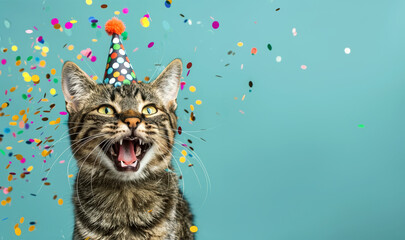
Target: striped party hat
x,y
119,70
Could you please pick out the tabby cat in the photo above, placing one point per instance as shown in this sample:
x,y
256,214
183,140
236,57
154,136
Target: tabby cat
x,y
122,139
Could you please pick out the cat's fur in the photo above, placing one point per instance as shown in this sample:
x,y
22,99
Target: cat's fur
x,y
109,204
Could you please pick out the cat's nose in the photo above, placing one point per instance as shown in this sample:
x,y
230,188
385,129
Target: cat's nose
x,y
132,122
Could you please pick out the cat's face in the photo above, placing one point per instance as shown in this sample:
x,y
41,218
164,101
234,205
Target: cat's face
x,y
124,133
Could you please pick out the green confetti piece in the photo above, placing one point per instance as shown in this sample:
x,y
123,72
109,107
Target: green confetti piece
x,y
2,152
269,47
19,132
361,126
24,96
18,58
55,80
29,58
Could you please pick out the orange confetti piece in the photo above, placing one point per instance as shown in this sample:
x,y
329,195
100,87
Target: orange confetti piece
x,y
60,201
31,228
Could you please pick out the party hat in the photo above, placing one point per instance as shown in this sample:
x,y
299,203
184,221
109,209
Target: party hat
x,y
118,70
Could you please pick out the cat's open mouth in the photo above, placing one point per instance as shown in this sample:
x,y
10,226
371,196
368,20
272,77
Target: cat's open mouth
x,y
128,153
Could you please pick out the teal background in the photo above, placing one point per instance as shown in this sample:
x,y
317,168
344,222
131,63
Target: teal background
x,y
294,164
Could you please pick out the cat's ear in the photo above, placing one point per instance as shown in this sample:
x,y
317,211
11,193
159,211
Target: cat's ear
x,y
167,84
76,86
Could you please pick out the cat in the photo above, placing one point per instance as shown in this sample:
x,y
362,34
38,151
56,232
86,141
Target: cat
x,y
122,139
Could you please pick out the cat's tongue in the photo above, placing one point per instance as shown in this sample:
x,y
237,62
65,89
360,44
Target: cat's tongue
x,y
127,153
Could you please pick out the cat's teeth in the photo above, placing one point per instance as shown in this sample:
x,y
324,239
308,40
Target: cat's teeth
x,y
121,142
138,150
140,141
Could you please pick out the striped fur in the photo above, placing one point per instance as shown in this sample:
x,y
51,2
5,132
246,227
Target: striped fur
x,y
109,204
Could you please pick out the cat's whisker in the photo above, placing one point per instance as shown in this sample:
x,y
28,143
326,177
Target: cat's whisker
x,y
50,169
207,177
78,176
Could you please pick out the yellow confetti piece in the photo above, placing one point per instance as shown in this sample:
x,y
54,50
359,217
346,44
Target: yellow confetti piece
x,y
145,22
117,12
43,54
73,21
10,177
44,100
60,201
37,47
193,229
15,117
29,90
4,105
94,40
31,228
13,124
22,220
53,91
17,231
243,98
198,102
183,152
95,78
71,47
14,48
29,169
45,153
45,49
182,159
240,44
192,107
35,78
89,2
70,176
3,203
79,57
53,71
42,63
192,89
55,122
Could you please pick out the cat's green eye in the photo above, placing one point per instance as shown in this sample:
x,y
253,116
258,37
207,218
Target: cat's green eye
x,y
106,110
149,110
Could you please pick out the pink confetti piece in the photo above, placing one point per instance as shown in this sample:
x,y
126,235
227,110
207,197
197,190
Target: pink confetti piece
x,y
182,85
304,67
63,113
136,49
151,44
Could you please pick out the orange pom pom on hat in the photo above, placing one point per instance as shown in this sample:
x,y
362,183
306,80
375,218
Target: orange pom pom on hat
x,y
119,70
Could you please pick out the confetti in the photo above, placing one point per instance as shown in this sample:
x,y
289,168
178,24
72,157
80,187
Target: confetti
x,y
193,229
104,6
269,47
182,159
192,89
89,2
304,67
215,25
347,50
151,44
253,51
60,201
278,59
240,44
294,32
145,21
125,10
168,3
